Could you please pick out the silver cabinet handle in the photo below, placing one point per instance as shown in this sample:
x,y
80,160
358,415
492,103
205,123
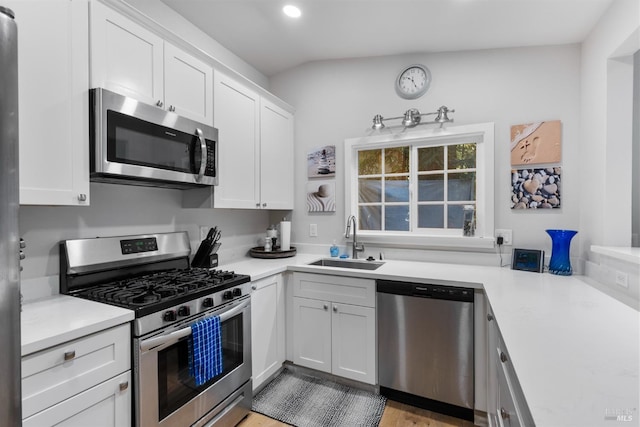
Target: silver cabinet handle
x,y
254,287
203,155
504,414
69,355
23,244
159,103
326,306
82,197
22,255
503,357
172,108
335,308
123,386
489,317
257,205
264,205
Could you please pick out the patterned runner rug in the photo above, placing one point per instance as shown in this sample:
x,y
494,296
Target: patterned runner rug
x,y
306,401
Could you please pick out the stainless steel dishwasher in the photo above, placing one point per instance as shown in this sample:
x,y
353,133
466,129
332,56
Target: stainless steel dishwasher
x,y
425,346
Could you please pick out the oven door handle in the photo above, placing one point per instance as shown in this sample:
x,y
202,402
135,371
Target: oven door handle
x,y
185,332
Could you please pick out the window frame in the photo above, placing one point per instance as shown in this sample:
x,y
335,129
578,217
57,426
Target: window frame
x,y
481,134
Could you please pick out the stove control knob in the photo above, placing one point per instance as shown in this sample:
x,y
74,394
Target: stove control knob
x,y
237,292
207,302
227,295
184,310
169,316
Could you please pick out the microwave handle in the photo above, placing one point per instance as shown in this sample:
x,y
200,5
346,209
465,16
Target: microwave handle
x,y
185,332
203,157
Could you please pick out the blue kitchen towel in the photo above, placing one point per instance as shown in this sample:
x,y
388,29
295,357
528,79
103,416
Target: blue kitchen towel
x,y
205,350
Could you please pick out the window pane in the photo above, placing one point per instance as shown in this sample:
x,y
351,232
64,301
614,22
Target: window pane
x,y
396,189
461,186
369,190
369,162
461,156
396,160
431,188
431,159
431,216
454,216
396,218
370,217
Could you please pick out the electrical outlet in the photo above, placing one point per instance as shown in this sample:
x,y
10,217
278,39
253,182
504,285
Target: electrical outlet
x,y
203,232
507,235
622,279
313,230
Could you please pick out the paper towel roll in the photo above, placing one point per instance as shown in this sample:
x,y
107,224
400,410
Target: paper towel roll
x,y
285,235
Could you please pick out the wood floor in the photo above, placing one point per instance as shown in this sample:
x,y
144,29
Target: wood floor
x,y
395,415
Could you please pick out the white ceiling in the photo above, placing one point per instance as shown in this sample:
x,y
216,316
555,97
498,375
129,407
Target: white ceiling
x,y
259,33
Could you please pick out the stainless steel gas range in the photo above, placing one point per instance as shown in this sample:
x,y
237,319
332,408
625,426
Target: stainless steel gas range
x,y
150,274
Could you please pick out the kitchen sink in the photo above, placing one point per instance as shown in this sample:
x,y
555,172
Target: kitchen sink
x,y
348,263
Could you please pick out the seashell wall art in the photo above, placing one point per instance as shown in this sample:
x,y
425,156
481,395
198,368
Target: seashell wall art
x,y
536,188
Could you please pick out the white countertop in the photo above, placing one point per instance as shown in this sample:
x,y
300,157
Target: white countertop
x,y
51,321
575,350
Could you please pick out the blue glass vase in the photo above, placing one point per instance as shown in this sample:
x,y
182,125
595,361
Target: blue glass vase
x,y
560,262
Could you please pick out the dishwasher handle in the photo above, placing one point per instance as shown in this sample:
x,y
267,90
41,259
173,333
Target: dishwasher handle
x,y
425,290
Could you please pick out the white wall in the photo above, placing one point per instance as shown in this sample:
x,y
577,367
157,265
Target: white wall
x,y
337,99
605,223
119,210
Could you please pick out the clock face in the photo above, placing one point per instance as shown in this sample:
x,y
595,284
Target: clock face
x,y
413,81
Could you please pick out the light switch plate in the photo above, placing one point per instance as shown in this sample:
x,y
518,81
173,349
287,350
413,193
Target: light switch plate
x,y
313,230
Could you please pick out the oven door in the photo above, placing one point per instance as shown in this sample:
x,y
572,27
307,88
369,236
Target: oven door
x,y
165,393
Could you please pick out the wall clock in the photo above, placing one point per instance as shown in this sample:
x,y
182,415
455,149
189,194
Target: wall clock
x,y
413,81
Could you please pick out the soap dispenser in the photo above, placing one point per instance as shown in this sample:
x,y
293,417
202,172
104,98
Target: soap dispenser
x,y
334,250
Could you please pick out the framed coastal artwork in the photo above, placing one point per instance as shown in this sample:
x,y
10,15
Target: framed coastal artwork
x,y
536,143
321,162
321,196
536,188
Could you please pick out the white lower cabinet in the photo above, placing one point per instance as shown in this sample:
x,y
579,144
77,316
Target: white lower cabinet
x,y
267,328
330,332
105,405
506,404
86,381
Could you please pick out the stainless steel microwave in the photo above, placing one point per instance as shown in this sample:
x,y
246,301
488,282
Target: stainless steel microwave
x,y
135,143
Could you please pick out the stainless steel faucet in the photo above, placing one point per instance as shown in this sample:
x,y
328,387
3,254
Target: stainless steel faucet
x,y
357,247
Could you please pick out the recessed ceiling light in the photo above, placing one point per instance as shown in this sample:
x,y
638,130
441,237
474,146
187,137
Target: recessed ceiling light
x,y
292,11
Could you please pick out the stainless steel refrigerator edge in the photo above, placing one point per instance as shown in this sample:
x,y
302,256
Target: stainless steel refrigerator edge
x,y
10,394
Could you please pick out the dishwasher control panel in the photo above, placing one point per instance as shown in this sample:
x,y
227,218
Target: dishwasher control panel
x,y
425,290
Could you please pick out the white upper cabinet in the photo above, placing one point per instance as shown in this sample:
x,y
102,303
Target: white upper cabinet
x,y
237,120
255,149
133,61
276,157
53,59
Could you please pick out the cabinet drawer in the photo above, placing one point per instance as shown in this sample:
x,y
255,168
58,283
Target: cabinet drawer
x,y
512,408
108,404
55,374
347,290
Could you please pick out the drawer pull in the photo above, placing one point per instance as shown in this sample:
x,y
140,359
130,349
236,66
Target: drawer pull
x,y
503,357
335,308
254,287
326,307
123,386
489,317
504,414
69,355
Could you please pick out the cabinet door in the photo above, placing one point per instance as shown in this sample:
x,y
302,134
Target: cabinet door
x,y
354,342
53,86
276,157
106,405
237,110
312,334
188,85
125,57
267,328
